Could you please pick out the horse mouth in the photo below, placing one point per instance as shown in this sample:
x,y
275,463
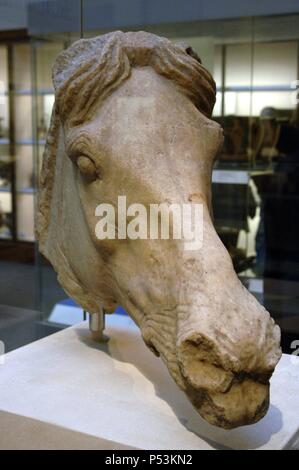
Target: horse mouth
x,y
223,397
244,404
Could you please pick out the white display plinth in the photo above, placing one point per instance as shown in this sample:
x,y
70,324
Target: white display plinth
x,y
67,392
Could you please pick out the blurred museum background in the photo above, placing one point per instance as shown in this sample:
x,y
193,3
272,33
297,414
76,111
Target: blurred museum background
x,y
252,50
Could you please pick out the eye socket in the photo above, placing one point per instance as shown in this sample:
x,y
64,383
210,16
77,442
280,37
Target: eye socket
x,y
87,167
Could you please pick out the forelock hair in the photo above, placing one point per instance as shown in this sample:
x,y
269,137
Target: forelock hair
x,y
88,71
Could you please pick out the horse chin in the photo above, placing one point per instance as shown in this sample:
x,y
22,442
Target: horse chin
x,y
246,402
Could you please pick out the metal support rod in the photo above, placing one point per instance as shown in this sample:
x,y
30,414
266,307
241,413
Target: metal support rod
x,y
97,326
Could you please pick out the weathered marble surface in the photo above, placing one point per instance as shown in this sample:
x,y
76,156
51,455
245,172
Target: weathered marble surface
x,y
132,117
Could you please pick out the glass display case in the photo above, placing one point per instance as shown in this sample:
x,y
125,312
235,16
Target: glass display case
x,y
23,101
254,62
16,143
255,65
57,309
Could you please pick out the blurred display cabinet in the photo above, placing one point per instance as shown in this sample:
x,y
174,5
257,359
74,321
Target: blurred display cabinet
x,y
255,105
26,97
6,157
255,64
257,73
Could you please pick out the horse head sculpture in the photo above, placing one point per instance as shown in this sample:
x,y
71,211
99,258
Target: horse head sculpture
x,y
132,117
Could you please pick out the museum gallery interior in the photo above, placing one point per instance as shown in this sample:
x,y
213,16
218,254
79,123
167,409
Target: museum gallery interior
x,y
149,200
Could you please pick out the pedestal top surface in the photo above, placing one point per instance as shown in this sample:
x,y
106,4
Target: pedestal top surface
x,y
119,391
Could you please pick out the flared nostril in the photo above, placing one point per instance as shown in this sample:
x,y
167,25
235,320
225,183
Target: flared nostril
x,y
206,376
201,367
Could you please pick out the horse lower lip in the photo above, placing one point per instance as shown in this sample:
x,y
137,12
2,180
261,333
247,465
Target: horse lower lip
x,y
244,403
222,397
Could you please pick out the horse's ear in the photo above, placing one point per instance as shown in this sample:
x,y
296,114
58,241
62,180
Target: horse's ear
x,y
188,49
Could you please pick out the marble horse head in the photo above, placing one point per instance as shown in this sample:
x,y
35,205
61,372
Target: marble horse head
x,y
132,117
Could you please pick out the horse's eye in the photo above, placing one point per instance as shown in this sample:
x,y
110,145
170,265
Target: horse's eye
x,y
87,166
